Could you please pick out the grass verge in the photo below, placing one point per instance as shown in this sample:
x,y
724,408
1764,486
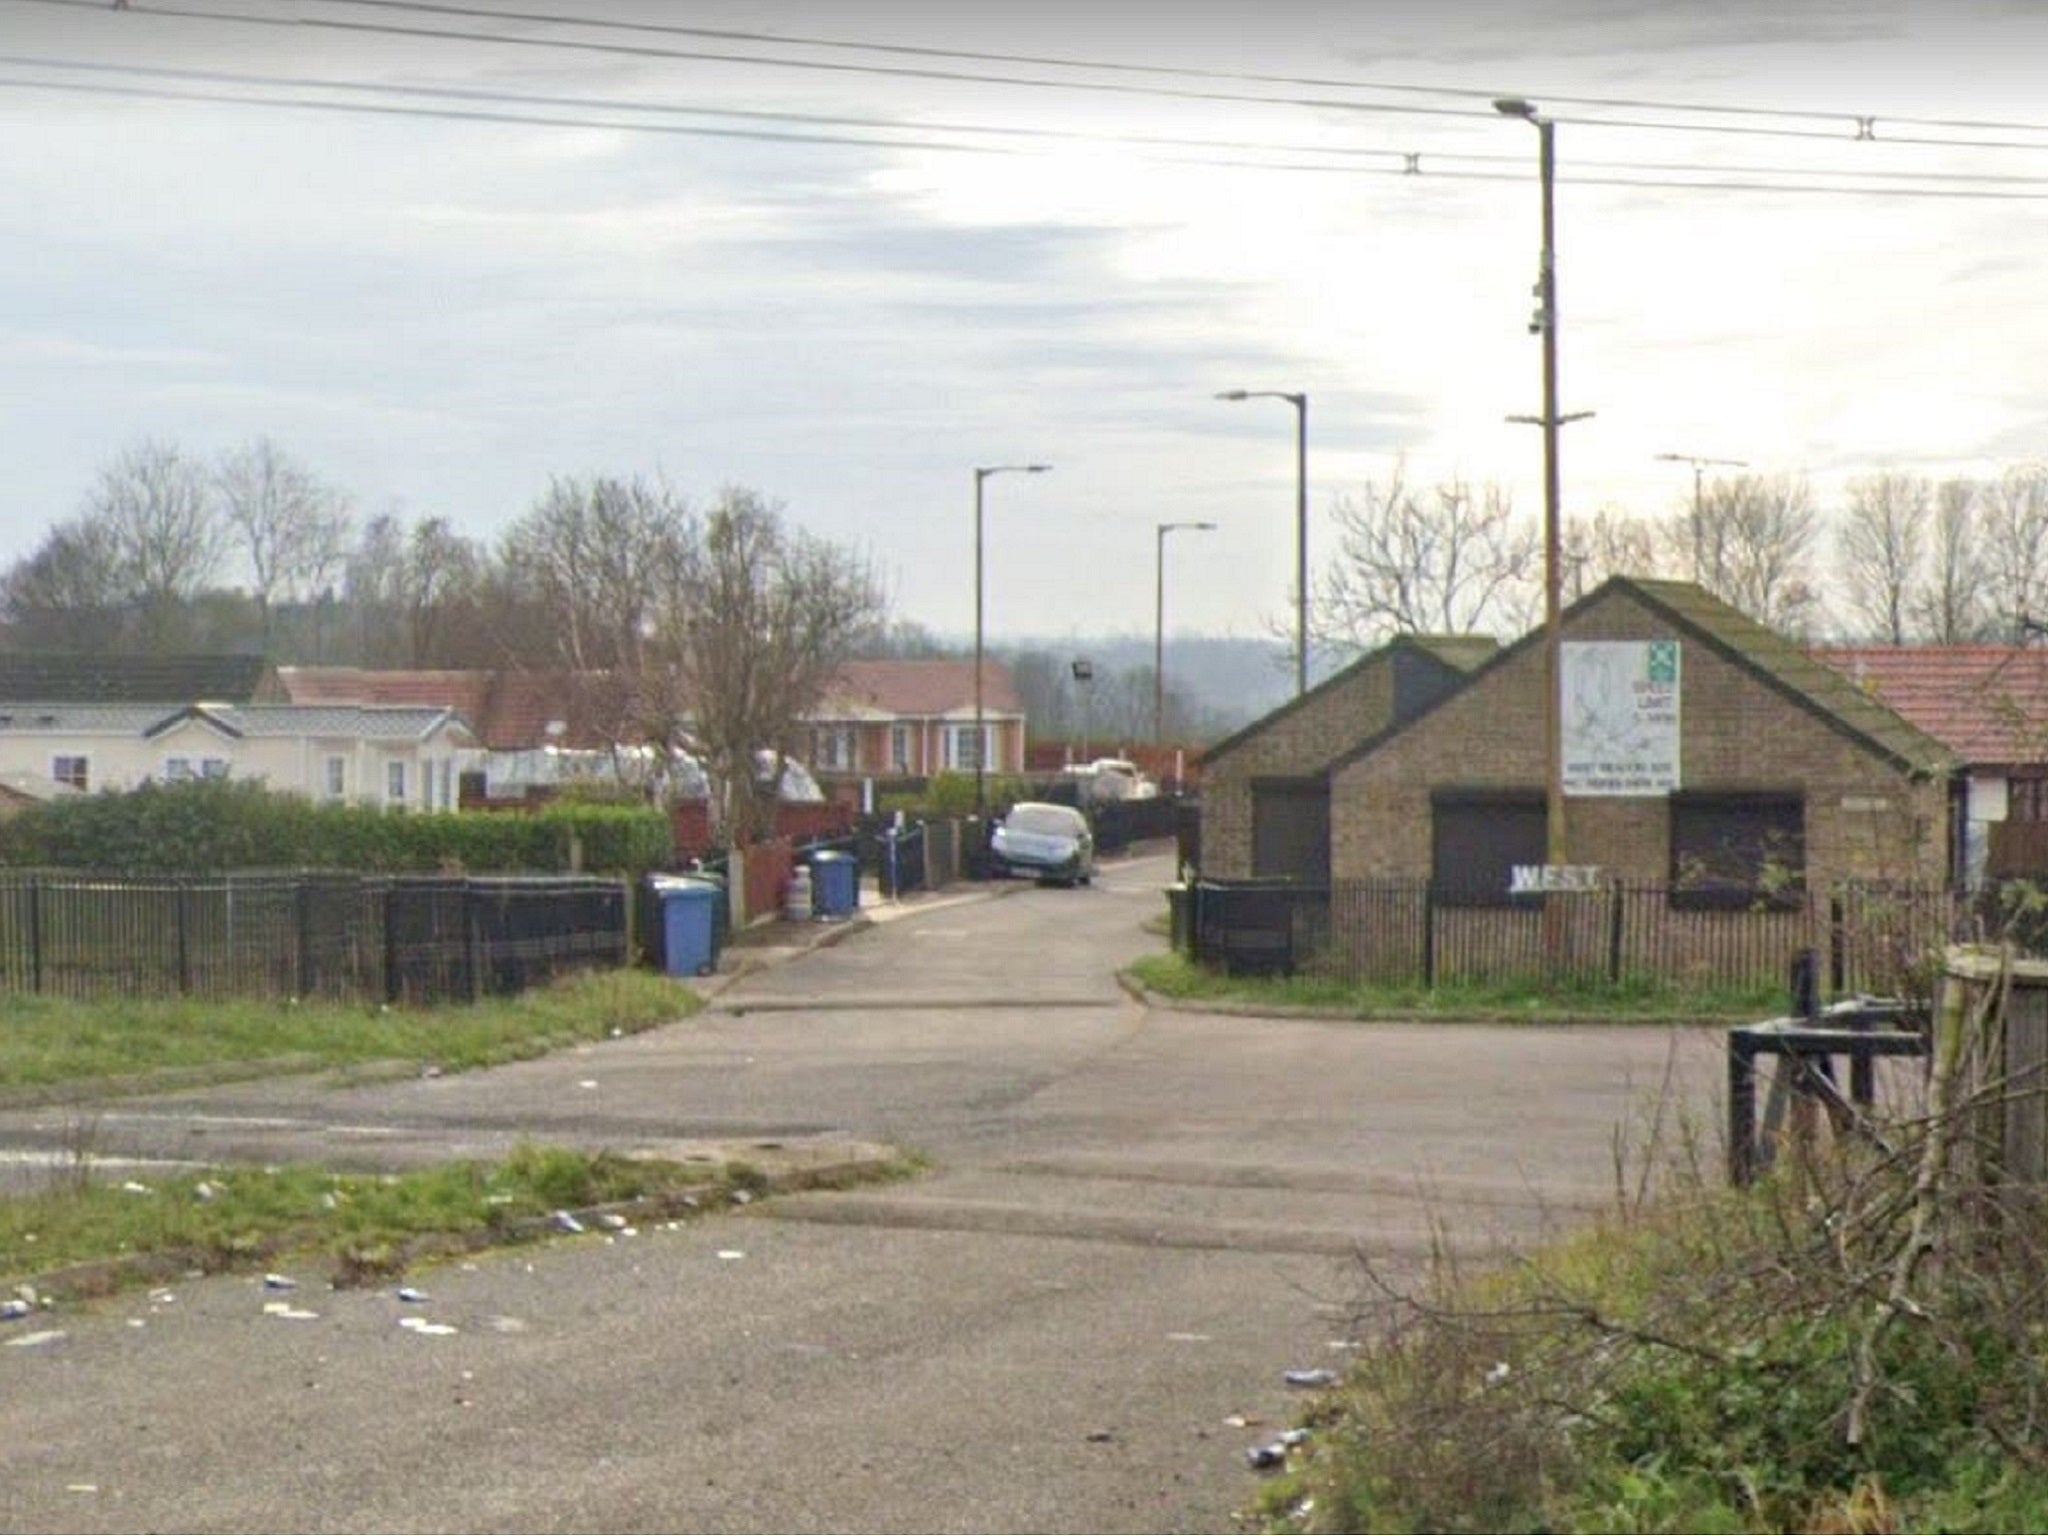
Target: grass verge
x,y
81,1236
1632,1000
49,1042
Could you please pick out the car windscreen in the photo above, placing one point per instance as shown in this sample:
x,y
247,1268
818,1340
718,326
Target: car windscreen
x,y
1044,820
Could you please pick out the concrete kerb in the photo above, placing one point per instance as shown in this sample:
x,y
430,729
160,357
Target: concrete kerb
x,y
839,1164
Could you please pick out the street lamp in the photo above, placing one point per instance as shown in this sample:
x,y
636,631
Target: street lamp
x,y
1544,323
980,731
1159,626
1300,404
1698,501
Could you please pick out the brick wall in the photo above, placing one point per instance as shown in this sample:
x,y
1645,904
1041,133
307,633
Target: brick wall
x,y
1298,740
1864,818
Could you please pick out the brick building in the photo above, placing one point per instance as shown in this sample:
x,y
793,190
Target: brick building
x,y
1702,750
1266,789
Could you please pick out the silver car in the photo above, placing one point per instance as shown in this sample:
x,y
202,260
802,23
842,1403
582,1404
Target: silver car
x,y
1049,842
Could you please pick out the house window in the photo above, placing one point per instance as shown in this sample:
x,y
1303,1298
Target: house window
x,y
968,748
394,783
1477,837
213,768
177,769
899,748
2026,798
832,748
72,769
337,777
1736,851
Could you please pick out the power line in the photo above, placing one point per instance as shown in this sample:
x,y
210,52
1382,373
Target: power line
x,y
913,50
1861,127
1410,162
1706,180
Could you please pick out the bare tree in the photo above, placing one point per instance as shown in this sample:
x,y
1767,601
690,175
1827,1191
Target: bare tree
x,y
1447,562
155,504
2014,533
1949,607
1751,544
594,558
293,529
1610,543
69,593
438,582
1878,548
756,624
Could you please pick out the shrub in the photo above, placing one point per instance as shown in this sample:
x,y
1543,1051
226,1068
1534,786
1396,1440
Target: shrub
x,y
219,824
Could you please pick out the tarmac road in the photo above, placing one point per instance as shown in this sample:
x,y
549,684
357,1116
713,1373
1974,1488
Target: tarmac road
x,y
1138,1219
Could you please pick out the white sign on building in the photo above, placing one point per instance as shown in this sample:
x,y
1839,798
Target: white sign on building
x,y
1619,700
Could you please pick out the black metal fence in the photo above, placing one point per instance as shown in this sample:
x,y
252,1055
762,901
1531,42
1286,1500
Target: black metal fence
x,y
333,936
1400,932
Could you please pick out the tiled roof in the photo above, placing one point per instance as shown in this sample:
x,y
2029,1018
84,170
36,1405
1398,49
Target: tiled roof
x,y
1987,703
366,722
925,689
508,711
1790,668
1461,653
65,678
1780,663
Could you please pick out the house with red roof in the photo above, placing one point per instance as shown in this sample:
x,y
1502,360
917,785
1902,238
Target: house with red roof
x,y
880,719
1988,704
913,719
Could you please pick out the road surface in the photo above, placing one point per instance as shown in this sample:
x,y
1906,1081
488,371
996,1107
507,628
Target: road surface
x,y
1138,1219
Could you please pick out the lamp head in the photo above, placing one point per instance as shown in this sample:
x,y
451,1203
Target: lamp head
x,y
1515,106
1234,394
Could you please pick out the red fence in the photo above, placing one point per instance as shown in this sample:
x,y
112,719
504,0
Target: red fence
x,y
803,822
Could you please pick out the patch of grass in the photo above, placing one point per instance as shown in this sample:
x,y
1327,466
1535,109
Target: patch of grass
x,y
359,1225
1631,998
1683,1368
45,1042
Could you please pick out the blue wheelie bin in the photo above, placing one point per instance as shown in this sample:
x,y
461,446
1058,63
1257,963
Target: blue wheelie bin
x,y
835,883
689,926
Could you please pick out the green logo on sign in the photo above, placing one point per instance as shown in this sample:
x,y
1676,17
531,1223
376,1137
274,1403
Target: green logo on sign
x,y
1663,661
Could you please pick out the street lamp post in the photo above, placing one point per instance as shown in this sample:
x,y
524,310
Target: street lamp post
x,y
980,730
1159,626
1699,499
1544,322
1300,404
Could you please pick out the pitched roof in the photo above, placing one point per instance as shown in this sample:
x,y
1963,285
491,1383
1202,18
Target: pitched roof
x,y
1461,653
508,711
1774,660
47,677
1987,703
922,689
1787,667
368,722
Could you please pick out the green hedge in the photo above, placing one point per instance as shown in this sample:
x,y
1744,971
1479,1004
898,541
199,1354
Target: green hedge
x,y
223,824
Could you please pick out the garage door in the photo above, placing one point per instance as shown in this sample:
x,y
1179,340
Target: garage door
x,y
1291,829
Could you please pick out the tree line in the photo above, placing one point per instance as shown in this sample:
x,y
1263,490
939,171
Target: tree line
x,y
255,553
711,630
1905,559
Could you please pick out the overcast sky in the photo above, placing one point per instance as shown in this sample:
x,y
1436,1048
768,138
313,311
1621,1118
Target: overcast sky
x,y
438,313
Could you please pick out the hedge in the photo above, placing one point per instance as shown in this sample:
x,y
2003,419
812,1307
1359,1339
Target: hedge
x,y
221,824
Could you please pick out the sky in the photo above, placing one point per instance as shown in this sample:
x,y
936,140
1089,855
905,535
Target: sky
x,y
849,276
